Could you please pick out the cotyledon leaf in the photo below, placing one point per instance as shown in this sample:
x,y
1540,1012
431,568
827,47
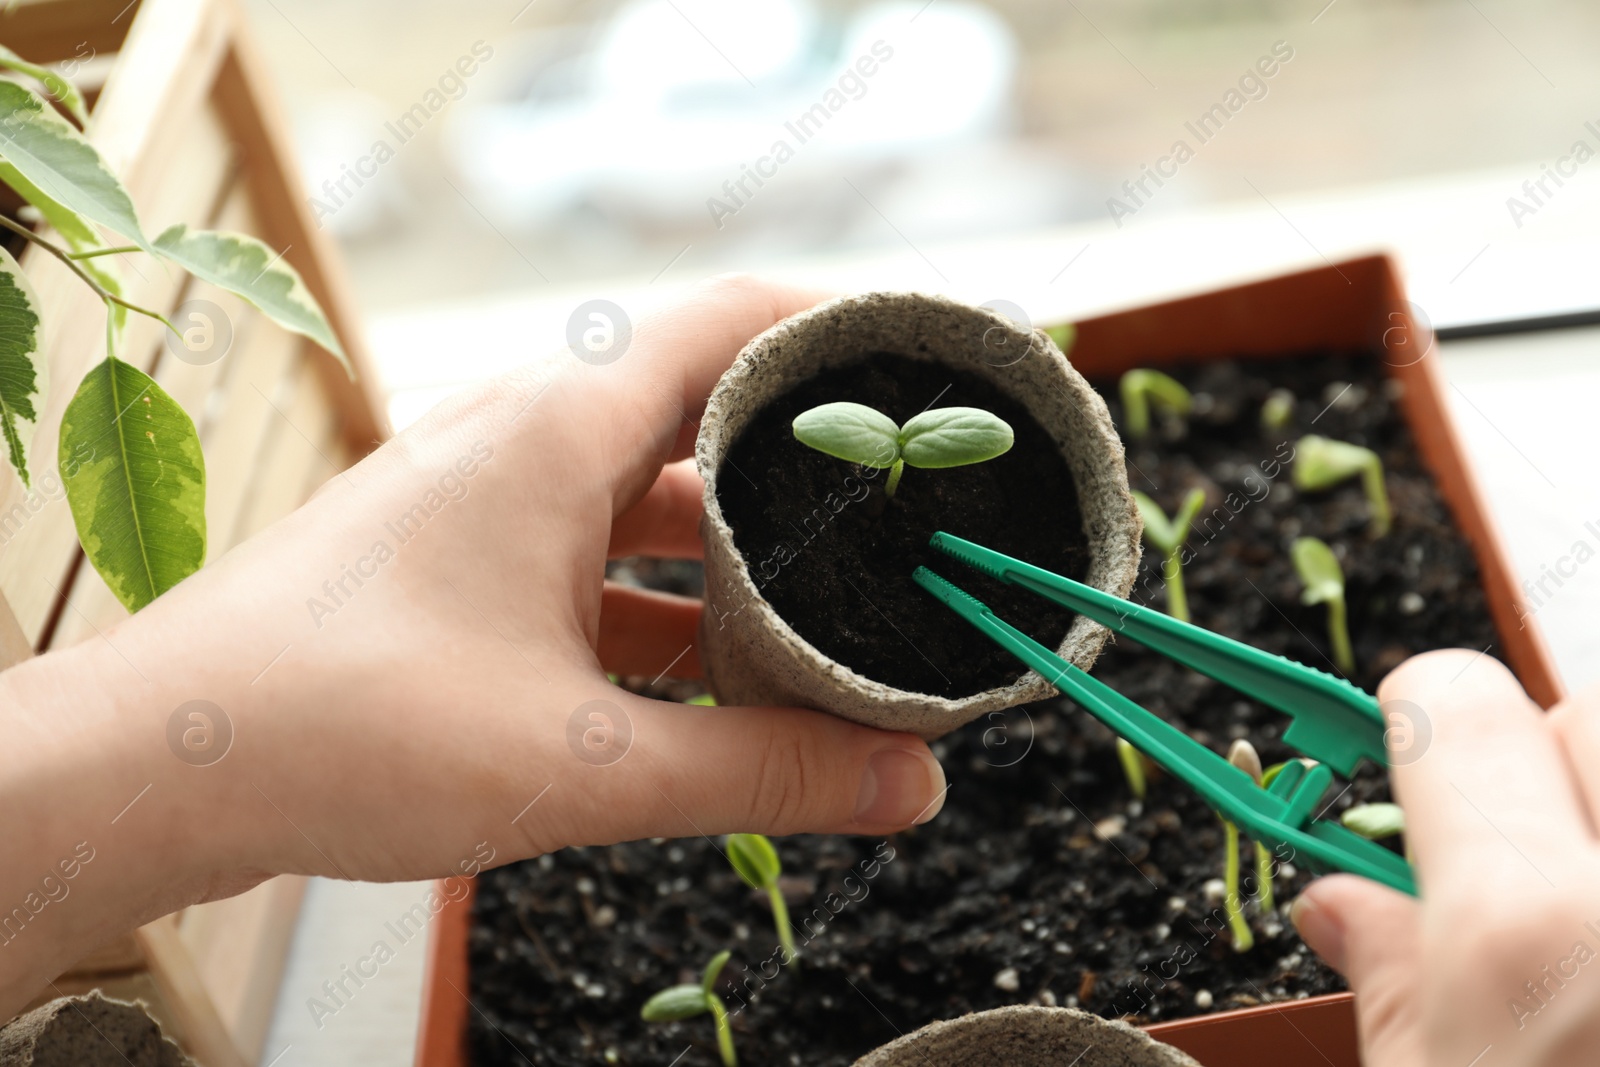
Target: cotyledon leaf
x,y
247,267
22,371
135,478
57,86
51,154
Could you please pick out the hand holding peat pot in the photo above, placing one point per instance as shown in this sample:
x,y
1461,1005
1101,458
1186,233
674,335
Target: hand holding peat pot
x,y
453,711
811,535
1499,961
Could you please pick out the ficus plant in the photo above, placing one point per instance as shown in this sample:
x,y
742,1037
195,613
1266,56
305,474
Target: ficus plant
x,y
939,437
756,860
1143,389
1167,537
128,455
688,1001
1322,463
1319,569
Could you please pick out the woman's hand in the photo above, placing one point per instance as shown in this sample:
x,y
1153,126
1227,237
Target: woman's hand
x,y
1499,961
413,667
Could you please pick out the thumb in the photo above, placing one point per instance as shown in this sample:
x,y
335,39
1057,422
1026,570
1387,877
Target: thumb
x,y
1370,934
714,770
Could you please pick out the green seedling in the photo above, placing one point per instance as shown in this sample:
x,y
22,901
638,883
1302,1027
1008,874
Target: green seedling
x,y
1375,821
1322,463
756,860
688,1001
705,700
1141,389
1167,537
1063,335
941,437
1319,569
1136,767
1243,755
1277,410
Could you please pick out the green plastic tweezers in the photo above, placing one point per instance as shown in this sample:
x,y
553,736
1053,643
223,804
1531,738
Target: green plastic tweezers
x,y
1335,723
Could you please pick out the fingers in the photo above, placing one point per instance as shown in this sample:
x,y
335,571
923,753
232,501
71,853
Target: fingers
x,y
775,771
665,523
643,632
1372,935
662,382
1492,787
1576,722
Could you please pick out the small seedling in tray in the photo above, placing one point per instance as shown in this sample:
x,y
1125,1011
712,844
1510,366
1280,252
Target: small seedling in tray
x,y
688,1001
1167,537
1322,463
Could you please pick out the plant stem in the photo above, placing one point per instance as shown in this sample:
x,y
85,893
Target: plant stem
x,y
1264,878
1339,634
93,252
719,1015
1243,939
1172,574
66,257
894,477
1377,496
780,919
1132,768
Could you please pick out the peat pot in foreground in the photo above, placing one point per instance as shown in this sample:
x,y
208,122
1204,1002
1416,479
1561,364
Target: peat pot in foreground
x,y
1282,323
1024,1036
790,530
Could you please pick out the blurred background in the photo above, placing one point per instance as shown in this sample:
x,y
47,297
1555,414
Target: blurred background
x,y
585,146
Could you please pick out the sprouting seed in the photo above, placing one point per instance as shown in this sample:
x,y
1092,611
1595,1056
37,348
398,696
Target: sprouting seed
x,y
756,860
1277,410
1322,463
1319,569
1167,537
1143,389
687,1001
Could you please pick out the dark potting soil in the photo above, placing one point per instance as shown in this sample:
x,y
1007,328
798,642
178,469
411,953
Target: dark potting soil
x,y
1041,881
833,553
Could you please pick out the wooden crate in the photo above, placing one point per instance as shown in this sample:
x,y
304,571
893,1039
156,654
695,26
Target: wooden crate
x,y
181,110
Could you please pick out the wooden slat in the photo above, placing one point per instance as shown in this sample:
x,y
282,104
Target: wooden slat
x,y
264,141
240,947
304,428
34,563
236,441
184,993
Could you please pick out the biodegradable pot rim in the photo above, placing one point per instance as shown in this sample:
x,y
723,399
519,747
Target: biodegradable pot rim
x,y
1112,529
1028,1034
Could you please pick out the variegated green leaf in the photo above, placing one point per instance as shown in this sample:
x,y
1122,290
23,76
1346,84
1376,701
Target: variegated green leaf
x,y
244,265
54,84
131,464
68,223
56,158
22,371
